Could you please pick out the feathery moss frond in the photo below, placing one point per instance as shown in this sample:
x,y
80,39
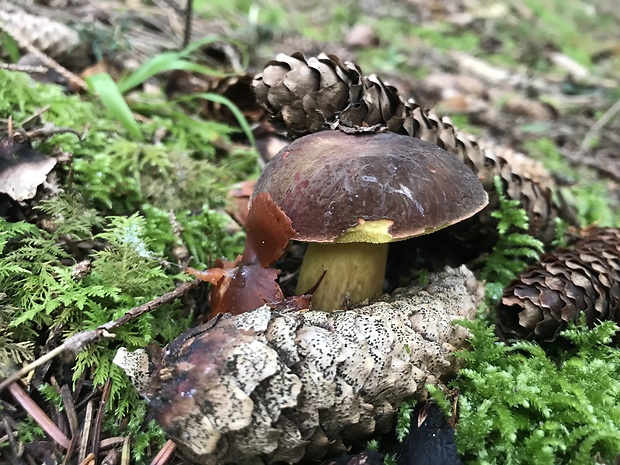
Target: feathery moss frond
x,y
514,248
519,406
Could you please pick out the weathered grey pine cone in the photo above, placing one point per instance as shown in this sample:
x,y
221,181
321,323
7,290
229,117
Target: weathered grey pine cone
x,y
273,386
53,38
309,95
568,283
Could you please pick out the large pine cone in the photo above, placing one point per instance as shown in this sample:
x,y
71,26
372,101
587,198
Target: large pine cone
x,y
566,285
274,386
50,37
309,95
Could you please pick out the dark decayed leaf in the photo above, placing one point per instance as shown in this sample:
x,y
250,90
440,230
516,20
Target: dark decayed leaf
x,y
430,440
244,287
247,283
567,284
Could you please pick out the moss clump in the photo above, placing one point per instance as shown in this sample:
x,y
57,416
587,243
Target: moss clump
x,y
518,406
191,168
125,206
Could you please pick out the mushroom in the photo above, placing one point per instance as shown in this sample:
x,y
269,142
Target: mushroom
x,y
349,195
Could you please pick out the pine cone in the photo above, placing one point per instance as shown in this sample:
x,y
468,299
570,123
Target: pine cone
x,y
304,95
55,39
567,283
309,95
273,386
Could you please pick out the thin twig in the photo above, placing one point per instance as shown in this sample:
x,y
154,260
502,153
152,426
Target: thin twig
x,y
88,419
80,341
45,59
69,406
24,68
10,436
189,11
99,418
164,454
594,130
39,415
126,451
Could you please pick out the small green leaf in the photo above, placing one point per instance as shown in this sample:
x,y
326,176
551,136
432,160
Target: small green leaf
x,y
10,47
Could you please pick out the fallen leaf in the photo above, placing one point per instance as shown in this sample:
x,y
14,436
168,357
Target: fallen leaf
x,y
245,288
268,231
247,283
22,170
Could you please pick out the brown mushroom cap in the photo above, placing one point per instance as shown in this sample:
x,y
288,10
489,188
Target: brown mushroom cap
x,y
330,182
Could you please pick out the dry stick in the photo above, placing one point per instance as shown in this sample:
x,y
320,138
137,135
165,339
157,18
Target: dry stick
x,y
109,443
9,436
99,418
69,405
189,10
164,454
596,128
70,450
126,451
24,68
45,59
88,419
39,415
79,341
60,417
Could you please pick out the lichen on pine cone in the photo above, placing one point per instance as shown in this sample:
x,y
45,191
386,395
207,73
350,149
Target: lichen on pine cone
x,y
273,386
306,95
566,285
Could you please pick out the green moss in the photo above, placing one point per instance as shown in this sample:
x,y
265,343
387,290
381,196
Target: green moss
x,y
125,205
192,168
519,406
36,275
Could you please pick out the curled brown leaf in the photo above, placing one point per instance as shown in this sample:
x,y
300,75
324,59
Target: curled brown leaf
x,y
246,283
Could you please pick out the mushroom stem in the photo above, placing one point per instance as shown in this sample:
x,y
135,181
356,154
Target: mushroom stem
x,y
354,272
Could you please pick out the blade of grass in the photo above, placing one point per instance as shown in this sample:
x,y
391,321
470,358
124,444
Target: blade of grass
x,y
161,63
169,61
110,95
10,47
217,98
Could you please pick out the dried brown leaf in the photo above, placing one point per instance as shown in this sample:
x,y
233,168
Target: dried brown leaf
x,y
22,170
247,283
